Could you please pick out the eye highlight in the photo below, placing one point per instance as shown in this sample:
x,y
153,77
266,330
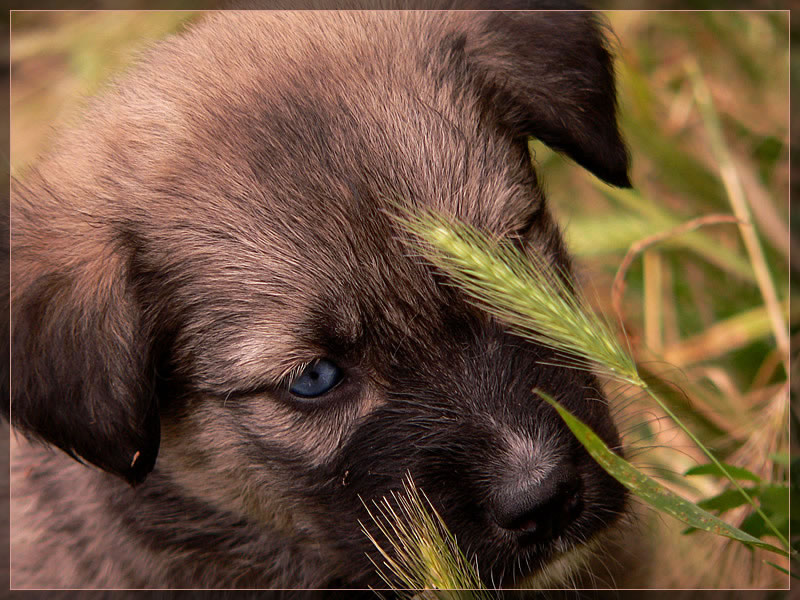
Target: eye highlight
x,y
317,379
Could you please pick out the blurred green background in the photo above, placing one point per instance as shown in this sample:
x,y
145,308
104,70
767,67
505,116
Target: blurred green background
x,y
704,105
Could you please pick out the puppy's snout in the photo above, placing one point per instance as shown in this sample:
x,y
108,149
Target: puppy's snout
x,y
540,509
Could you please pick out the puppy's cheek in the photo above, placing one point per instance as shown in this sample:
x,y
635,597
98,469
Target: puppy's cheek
x,y
206,454
461,463
257,455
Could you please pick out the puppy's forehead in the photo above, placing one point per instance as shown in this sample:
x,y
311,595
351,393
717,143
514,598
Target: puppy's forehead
x,y
310,131
301,108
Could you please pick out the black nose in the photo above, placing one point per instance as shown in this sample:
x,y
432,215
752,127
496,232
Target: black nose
x,y
539,509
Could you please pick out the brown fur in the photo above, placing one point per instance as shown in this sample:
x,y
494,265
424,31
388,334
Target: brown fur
x,y
220,219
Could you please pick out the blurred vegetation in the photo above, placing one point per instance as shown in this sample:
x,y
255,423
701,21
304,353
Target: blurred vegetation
x,y
58,59
700,321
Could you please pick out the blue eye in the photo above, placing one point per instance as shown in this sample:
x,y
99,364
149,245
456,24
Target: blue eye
x,y
316,379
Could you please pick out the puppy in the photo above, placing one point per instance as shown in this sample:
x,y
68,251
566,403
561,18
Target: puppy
x,y
215,313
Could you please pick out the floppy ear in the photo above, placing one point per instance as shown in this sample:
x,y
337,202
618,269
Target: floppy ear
x,y
81,369
549,75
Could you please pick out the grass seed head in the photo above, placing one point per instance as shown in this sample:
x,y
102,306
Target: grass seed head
x,y
424,554
522,290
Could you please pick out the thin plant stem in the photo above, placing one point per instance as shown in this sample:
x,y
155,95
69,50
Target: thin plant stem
x,y
618,287
653,304
739,203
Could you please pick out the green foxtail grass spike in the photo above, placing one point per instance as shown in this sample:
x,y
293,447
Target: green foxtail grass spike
x,y
523,291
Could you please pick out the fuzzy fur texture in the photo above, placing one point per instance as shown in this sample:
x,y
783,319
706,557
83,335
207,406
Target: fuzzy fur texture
x,y
220,219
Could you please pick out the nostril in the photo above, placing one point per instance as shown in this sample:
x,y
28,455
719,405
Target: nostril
x,y
540,510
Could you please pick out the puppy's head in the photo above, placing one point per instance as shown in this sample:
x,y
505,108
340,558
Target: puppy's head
x,y
210,266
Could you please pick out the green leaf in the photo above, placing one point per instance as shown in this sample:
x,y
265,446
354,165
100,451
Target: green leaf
x,y
780,458
712,469
775,498
727,500
650,490
755,525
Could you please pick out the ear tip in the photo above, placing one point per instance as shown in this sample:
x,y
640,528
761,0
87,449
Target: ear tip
x,y
611,169
135,478
140,468
133,470
620,179
614,168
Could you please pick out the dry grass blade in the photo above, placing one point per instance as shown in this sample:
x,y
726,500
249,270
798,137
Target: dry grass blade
x,y
727,335
618,287
741,208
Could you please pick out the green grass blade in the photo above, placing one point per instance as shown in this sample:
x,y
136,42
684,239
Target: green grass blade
x,y
589,236
712,469
650,490
719,465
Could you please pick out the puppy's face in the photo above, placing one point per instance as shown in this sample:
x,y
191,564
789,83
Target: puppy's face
x,y
209,281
